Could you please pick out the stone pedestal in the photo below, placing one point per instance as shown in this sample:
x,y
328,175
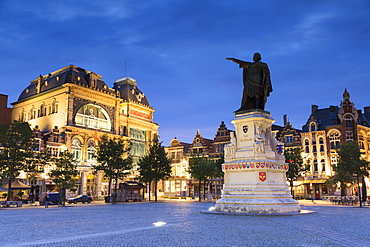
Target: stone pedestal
x,y
255,180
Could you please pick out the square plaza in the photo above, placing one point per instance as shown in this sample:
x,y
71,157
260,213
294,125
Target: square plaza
x,y
138,224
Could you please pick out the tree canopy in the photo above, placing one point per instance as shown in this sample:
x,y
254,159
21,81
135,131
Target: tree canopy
x,y
203,168
297,166
16,152
350,167
155,165
114,159
63,173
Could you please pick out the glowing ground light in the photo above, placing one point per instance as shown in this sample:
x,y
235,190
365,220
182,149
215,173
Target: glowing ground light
x,y
211,209
159,223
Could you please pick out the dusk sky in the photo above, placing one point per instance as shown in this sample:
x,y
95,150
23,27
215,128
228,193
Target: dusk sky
x,y
176,52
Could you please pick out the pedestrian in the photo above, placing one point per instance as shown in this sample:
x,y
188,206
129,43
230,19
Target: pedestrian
x,y
47,201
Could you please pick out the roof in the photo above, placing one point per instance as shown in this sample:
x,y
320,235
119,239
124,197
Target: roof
x,y
325,117
131,185
129,91
18,185
68,74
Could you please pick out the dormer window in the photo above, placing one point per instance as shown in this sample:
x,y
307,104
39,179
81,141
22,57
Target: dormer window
x,y
313,127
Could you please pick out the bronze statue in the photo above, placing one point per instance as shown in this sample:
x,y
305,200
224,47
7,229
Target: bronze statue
x,y
257,83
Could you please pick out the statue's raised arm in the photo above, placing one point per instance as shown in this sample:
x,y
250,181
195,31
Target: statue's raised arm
x,y
257,83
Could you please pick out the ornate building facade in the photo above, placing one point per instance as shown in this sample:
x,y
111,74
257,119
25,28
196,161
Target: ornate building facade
x,y
181,183
72,107
325,130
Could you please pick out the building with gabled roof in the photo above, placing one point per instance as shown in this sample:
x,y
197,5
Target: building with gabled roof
x,y
325,130
72,107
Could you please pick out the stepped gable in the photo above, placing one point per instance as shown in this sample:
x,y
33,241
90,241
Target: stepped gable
x,y
128,91
68,74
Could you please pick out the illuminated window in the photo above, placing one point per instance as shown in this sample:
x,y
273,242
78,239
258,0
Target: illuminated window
x,y
138,139
33,112
42,110
93,116
76,149
361,141
91,150
54,106
334,140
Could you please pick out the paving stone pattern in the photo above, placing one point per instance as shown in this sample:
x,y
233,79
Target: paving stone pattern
x,y
131,224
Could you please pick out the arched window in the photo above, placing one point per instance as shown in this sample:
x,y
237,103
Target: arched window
x,y
77,149
42,110
54,106
334,139
313,127
93,116
91,150
33,112
321,142
349,121
307,146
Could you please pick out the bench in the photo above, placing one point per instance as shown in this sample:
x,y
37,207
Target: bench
x,y
11,203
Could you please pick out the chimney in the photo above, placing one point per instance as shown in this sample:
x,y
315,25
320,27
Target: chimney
x,y
285,120
314,109
367,109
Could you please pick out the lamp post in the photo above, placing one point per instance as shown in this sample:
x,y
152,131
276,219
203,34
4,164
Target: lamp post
x,y
359,193
311,187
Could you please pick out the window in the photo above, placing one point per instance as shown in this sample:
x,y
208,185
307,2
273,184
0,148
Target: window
x,y
361,141
307,146
54,106
33,112
54,151
321,142
76,149
315,166
349,121
90,150
93,116
288,139
334,140
313,127
36,145
42,110
349,136
138,139
323,165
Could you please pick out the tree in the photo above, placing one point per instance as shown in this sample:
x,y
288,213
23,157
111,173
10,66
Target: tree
x,y
154,166
202,168
351,167
17,142
297,167
114,160
64,172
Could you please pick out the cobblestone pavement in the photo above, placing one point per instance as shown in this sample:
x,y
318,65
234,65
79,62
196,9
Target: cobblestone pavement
x,y
131,224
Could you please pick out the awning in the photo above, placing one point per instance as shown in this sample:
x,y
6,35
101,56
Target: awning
x,y
315,181
17,185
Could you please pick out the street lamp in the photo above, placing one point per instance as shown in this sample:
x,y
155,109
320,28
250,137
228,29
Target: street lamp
x,y
359,193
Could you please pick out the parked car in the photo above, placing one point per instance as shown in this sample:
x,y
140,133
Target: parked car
x,y
79,198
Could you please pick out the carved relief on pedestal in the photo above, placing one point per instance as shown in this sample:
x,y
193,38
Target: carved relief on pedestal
x,y
230,149
259,141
